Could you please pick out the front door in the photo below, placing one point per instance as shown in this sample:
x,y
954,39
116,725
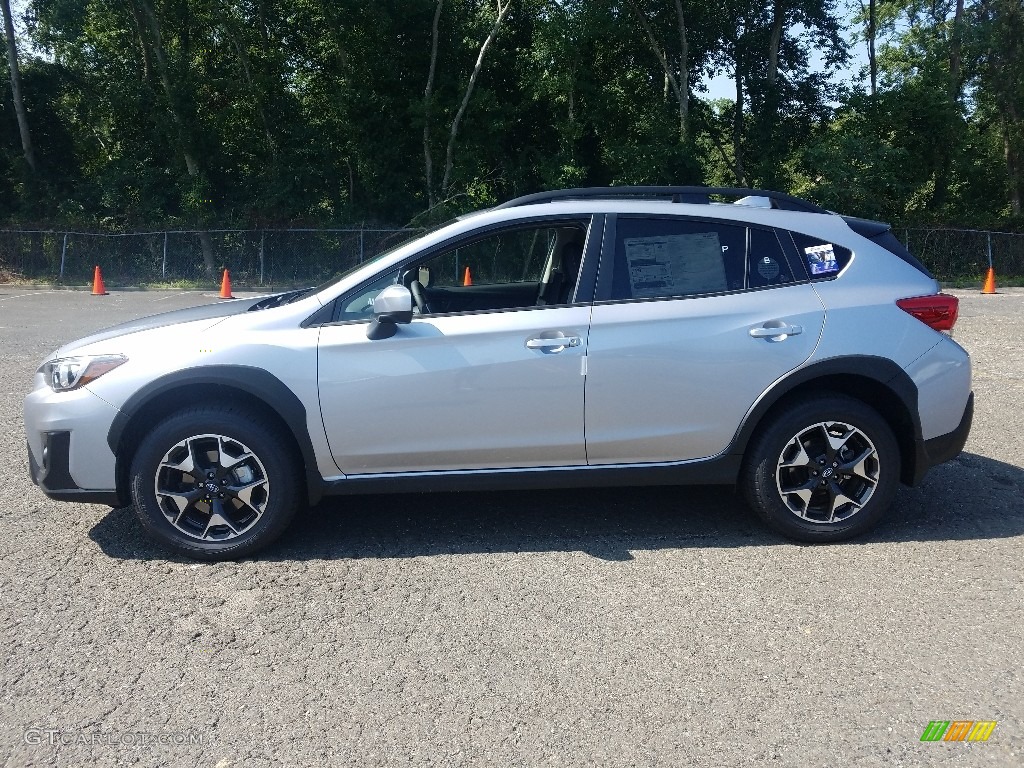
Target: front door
x,y
488,374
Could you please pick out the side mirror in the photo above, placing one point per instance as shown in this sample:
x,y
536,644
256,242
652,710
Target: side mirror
x,y
393,305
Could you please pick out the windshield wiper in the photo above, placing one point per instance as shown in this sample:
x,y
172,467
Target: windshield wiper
x,y
279,300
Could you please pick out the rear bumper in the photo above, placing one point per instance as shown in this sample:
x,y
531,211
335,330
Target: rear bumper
x,y
944,447
51,473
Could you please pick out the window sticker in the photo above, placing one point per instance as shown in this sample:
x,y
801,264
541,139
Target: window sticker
x,y
768,268
675,265
822,259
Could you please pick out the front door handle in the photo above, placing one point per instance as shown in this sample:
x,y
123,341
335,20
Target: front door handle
x,y
553,344
776,331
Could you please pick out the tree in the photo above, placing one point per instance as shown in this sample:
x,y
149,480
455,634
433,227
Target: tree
x,y
428,96
257,113
677,77
501,11
19,105
1000,57
183,114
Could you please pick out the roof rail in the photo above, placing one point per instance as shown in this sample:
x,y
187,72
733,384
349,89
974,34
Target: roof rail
x,y
699,195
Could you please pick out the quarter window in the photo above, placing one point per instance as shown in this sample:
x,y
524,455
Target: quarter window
x,y
822,259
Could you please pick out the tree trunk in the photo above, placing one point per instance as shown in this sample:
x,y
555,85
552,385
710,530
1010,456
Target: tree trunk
x,y
185,139
1012,146
19,106
147,66
1007,84
713,132
680,86
955,45
872,34
775,42
768,155
737,131
351,181
165,81
948,132
457,122
206,245
243,58
684,75
428,96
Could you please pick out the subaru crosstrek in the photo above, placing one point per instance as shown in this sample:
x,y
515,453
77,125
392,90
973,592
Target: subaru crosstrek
x,y
589,337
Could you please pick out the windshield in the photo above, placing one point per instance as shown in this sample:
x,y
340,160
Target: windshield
x,y
409,236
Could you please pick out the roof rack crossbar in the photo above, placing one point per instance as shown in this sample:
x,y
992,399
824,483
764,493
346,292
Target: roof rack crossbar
x,y
699,195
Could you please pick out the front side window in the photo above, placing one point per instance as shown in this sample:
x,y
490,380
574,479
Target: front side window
x,y
504,258
526,266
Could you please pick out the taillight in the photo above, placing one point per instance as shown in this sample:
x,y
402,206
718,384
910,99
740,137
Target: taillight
x,y
938,311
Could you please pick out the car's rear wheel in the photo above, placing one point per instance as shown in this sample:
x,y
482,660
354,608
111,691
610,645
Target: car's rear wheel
x,y
215,483
826,469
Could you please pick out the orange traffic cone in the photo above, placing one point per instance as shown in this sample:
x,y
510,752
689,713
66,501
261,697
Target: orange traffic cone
x,y
225,286
990,281
467,279
98,288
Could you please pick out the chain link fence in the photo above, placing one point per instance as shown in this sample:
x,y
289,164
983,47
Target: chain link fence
x,y
308,256
254,257
965,254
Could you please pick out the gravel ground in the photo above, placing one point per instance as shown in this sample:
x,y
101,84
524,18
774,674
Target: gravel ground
x,y
626,627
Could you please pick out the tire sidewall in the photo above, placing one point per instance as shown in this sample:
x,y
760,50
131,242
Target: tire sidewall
x,y
759,483
259,437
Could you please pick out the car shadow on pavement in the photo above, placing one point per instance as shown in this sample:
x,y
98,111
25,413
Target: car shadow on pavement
x,y
971,497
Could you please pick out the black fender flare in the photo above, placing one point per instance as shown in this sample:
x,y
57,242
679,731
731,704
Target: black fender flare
x,y
257,382
880,370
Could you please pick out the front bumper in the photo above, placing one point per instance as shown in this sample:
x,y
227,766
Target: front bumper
x,y
54,478
69,458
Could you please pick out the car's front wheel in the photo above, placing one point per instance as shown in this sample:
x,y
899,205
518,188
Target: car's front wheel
x,y
215,483
826,469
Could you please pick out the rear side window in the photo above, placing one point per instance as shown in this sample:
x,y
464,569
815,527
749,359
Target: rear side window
x,y
822,259
766,262
657,258
665,258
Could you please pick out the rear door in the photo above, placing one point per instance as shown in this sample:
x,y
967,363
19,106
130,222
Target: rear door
x,y
695,319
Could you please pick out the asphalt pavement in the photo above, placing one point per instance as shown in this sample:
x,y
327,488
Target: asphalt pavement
x,y
611,627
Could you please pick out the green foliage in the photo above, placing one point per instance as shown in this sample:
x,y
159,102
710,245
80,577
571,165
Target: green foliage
x,y
272,112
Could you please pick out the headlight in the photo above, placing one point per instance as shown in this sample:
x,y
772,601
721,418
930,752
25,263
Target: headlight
x,y
69,373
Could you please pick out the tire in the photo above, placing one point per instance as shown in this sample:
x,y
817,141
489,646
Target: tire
x,y
826,469
246,495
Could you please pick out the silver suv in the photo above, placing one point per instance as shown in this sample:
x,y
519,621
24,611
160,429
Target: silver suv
x,y
587,337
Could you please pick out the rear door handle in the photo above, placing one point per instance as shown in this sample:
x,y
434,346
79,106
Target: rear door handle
x,y
552,344
777,332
